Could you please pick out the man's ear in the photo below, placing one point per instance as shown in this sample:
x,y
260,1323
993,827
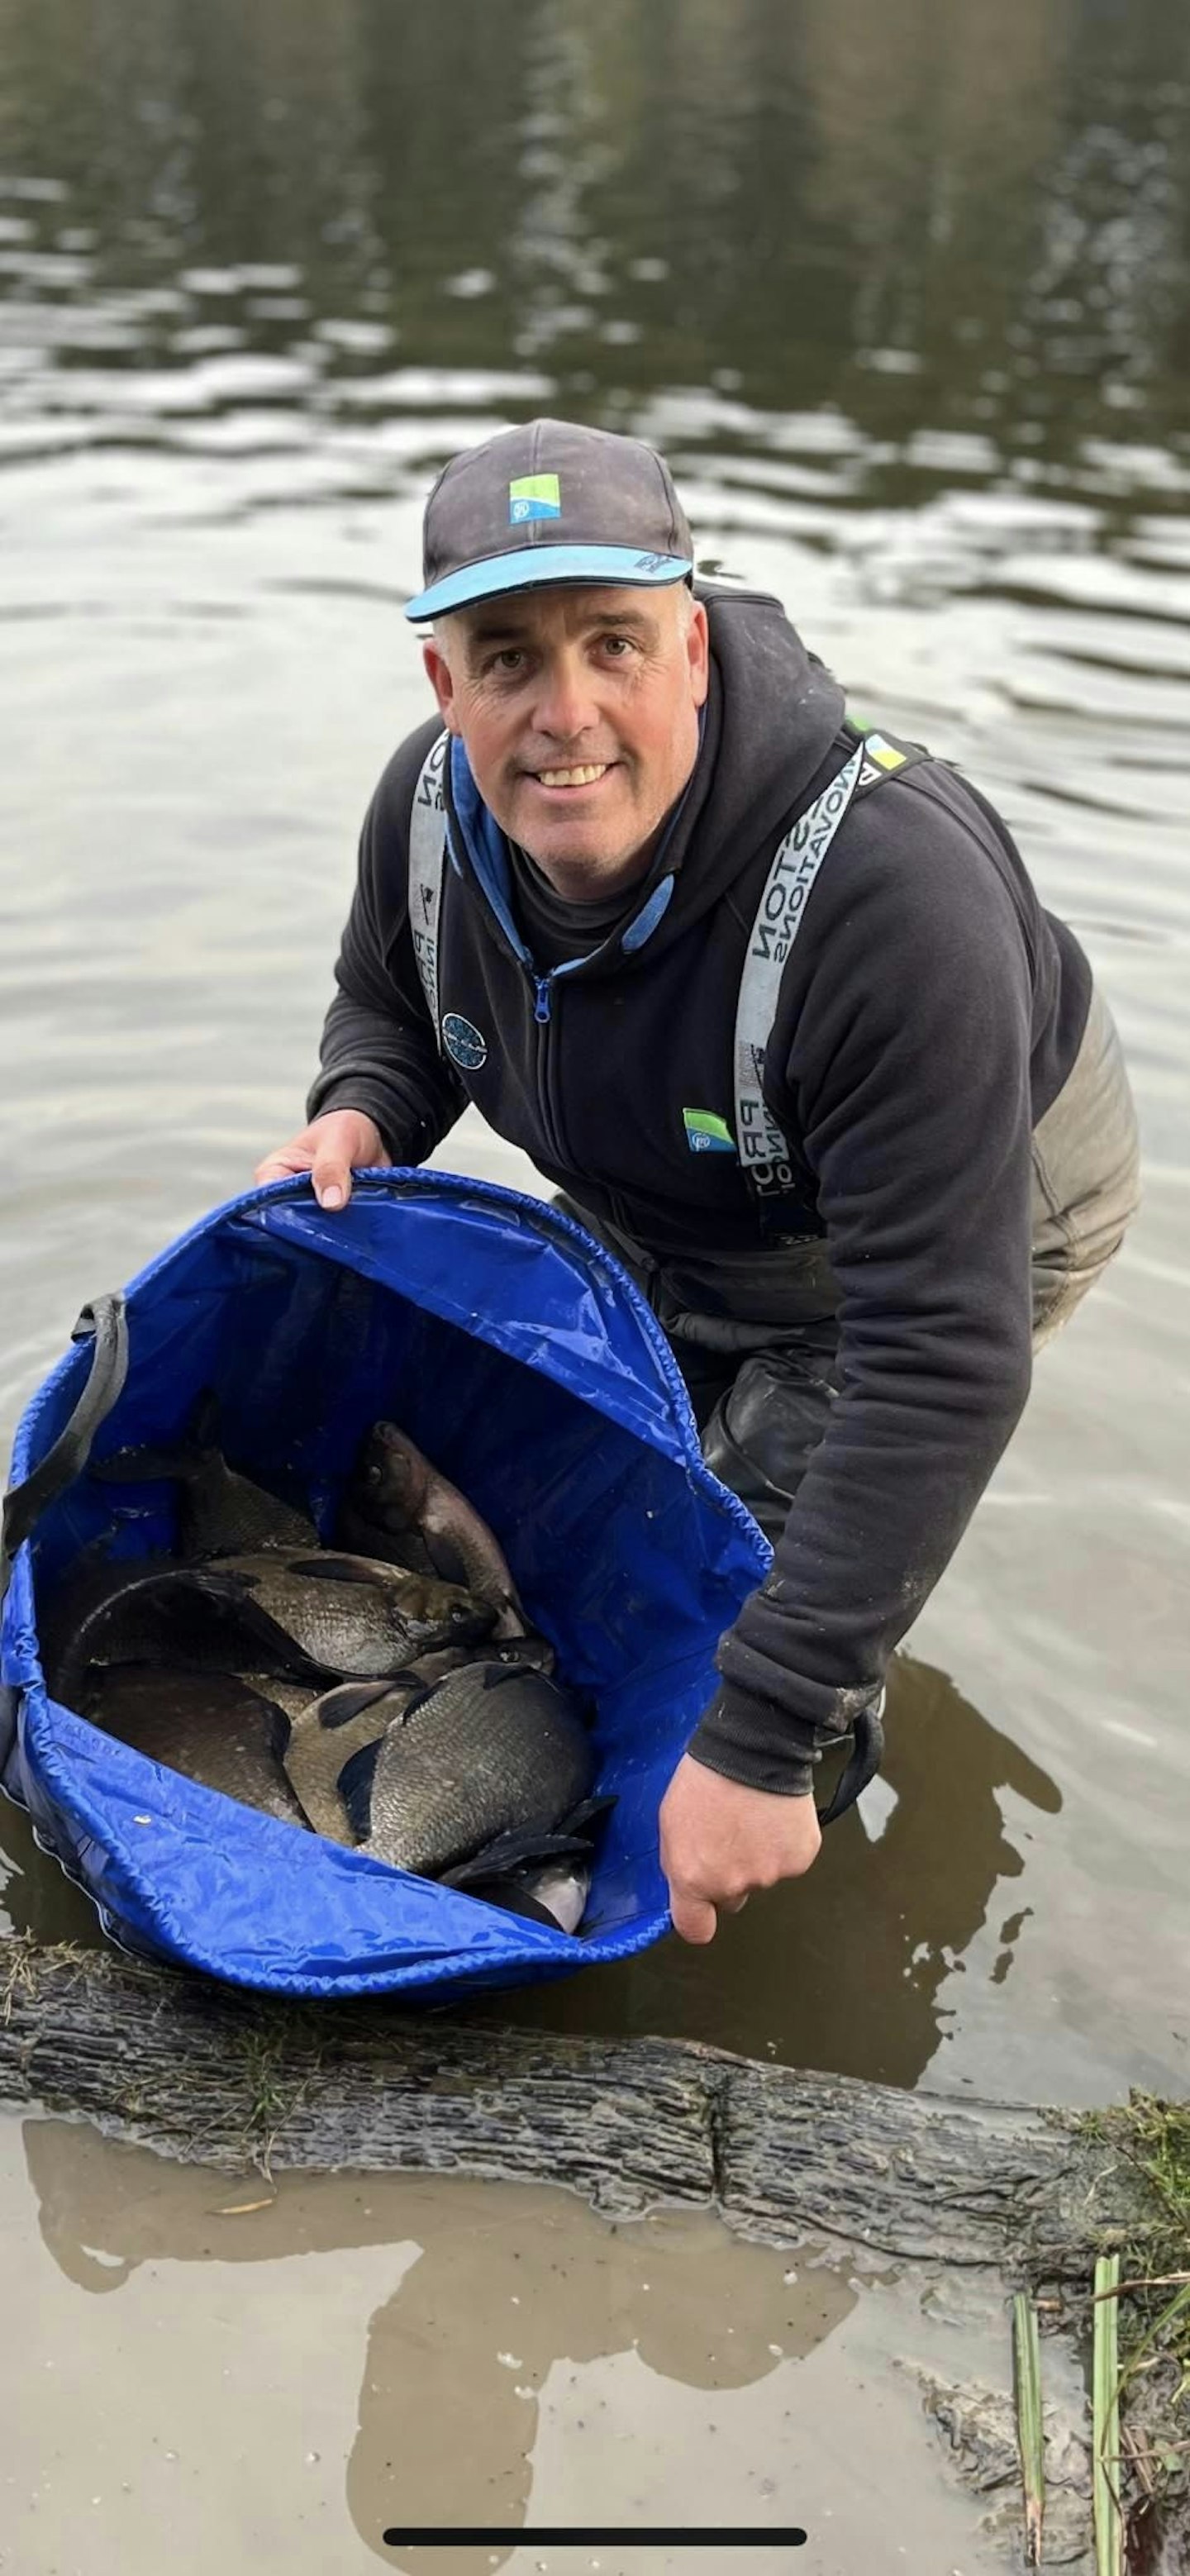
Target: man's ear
x,y
698,649
438,673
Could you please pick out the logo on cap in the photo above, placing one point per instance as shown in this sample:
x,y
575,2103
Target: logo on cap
x,y
534,496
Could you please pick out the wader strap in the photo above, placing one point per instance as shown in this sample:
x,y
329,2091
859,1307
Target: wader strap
x,y
763,1152
427,867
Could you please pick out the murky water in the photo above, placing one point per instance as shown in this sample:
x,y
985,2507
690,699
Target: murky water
x,y
278,2385
903,294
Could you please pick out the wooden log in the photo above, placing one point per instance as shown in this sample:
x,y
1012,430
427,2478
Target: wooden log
x,y
217,2076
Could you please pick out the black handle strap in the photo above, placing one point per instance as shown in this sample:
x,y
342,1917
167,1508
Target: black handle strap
x,y
105,1319
862,1764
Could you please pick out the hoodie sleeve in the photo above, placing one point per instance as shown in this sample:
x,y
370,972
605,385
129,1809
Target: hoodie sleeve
x,y
906,1021
379,1052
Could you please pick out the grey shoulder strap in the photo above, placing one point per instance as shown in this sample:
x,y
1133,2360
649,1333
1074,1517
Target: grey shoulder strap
x,y
427,868
763,1151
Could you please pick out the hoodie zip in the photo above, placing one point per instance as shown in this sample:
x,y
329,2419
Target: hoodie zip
x,y
546,1052
633,935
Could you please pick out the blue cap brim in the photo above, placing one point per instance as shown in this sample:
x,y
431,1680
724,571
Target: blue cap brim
x,y
531,567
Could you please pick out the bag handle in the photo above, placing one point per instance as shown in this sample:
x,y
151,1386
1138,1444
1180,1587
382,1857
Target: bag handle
x,y
105,1319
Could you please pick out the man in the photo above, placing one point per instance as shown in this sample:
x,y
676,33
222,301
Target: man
x,y
776,1007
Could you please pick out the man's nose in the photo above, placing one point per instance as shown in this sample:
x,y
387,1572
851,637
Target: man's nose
x,y
565,706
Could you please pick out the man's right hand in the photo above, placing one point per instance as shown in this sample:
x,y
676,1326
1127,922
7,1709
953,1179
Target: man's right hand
x,y
327,1149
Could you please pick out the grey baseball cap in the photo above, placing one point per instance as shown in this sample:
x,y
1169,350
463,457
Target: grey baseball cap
x,y
552,502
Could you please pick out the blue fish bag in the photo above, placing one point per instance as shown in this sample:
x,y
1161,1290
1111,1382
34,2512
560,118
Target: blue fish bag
x,y
523,1361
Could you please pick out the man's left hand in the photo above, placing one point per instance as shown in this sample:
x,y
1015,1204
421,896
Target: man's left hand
x,y
720,1840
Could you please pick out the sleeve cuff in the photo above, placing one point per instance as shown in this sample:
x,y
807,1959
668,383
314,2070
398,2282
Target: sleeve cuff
x,y
748,1740
350,1091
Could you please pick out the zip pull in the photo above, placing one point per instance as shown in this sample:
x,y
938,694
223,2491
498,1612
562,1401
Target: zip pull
x,y
541,1006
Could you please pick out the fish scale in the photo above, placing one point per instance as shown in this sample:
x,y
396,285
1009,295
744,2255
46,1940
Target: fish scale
x,y
491,1749
350,1615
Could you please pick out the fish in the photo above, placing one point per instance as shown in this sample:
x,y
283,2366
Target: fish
x,y
544,1876
350,1615
553,1892
211,1727
328,1730
141,1610
398,1505
491,1750
220,1511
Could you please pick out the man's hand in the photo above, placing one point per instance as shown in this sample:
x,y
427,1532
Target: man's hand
x,y
719,1841
327,1149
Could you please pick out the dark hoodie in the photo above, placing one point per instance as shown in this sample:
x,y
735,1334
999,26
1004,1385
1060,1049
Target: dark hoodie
x,y
930,1012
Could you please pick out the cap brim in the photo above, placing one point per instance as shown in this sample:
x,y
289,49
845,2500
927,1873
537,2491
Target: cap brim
x,y
533,567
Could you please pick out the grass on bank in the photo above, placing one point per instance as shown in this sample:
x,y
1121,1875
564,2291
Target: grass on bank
x,y
1030,2430
1106,2457
1142,2389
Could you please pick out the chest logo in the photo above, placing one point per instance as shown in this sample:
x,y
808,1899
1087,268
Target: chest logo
x,y
706,1134
464,1043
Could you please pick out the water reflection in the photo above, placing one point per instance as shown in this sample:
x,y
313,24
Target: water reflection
x,y
928,218
843,1970
505,2298
36,1897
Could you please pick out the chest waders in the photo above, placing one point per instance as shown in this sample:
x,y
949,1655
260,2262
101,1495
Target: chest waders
x,y
763,1150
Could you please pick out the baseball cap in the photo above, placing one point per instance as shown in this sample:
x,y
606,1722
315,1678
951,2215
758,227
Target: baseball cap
x,y
551,502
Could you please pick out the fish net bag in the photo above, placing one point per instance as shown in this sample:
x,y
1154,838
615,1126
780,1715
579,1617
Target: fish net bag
x,y
522,1359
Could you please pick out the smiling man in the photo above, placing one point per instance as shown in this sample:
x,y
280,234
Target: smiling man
x,y
774,1003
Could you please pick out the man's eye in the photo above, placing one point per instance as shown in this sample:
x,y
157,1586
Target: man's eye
x,y
511,659
618,646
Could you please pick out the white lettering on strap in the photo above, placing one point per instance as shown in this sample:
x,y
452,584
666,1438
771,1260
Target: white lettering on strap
x,y
427,867
763,1151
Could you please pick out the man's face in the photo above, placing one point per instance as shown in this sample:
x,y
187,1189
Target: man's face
x,y
579,712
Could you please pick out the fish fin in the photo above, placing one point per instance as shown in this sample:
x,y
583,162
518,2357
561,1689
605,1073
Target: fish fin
x,y
338,1707
523,1847
417,1699
233,1594
513,1898
516,1669
512,1624
355,1787
221,1582
447,1560
588,1812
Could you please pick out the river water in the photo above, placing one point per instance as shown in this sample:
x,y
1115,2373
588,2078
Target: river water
x,y
902,292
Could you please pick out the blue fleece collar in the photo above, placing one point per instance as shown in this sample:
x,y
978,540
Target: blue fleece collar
x,y
487,850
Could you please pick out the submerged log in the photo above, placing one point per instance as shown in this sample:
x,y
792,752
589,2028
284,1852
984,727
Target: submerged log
x,y
216,2076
